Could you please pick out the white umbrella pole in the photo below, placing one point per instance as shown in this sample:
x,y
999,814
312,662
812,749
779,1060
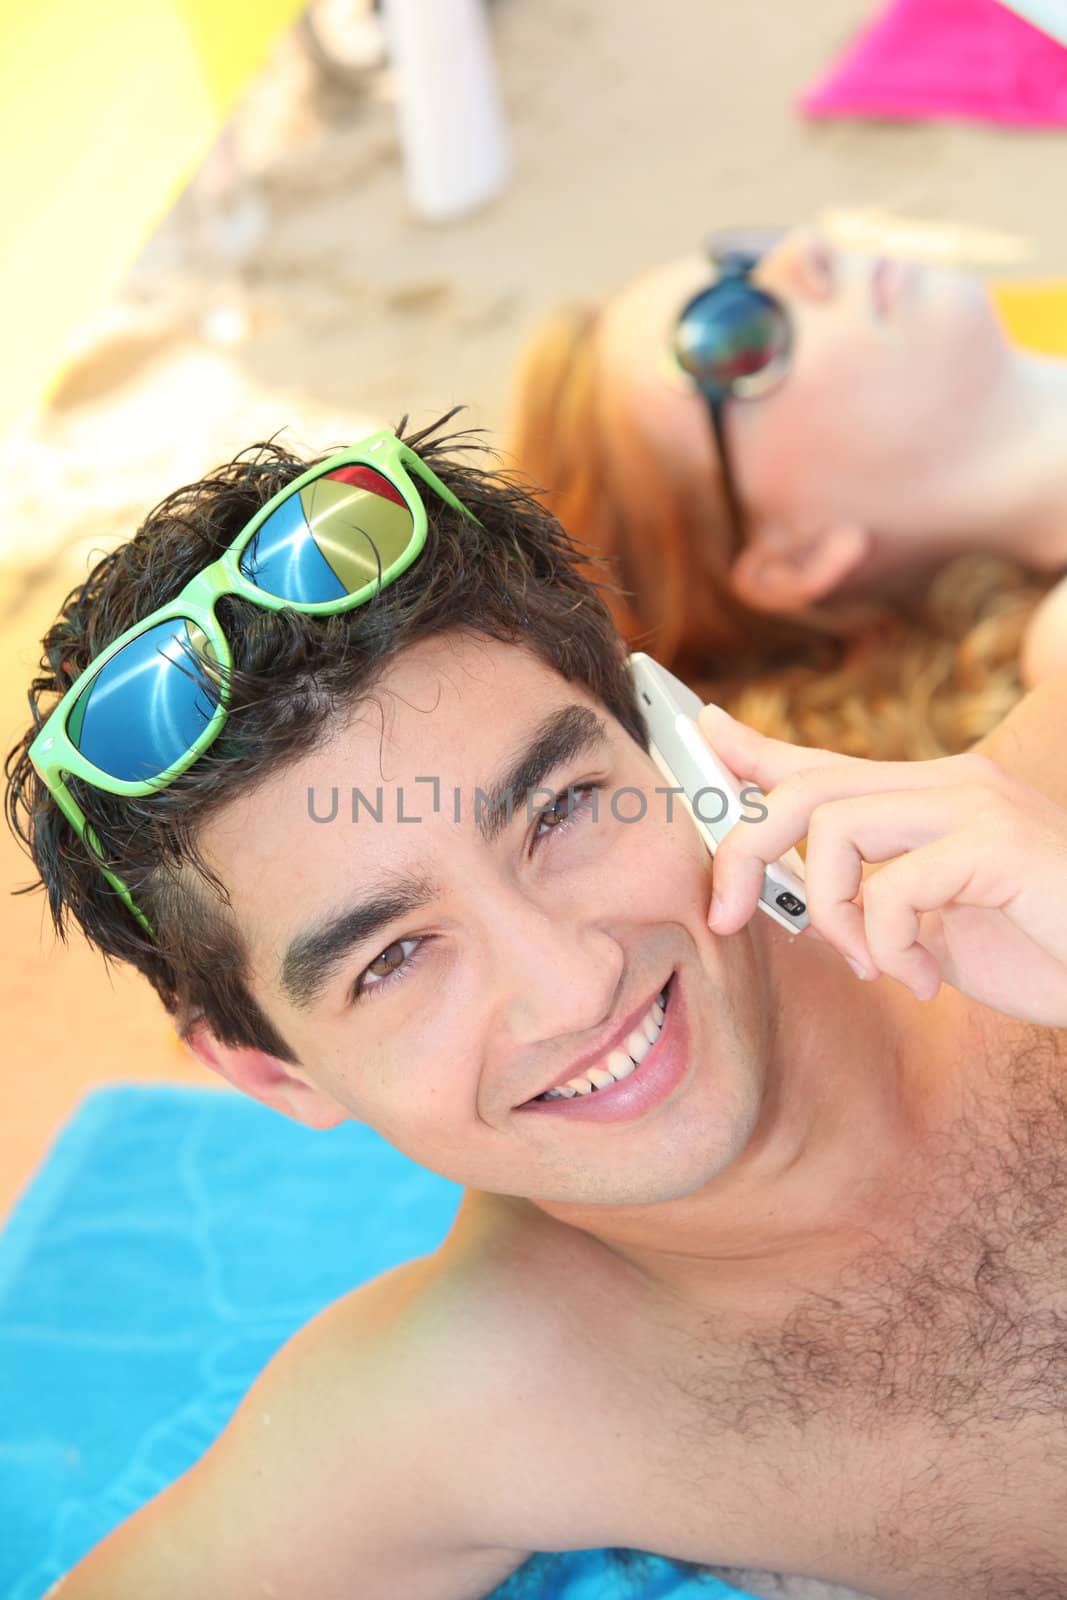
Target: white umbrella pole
x,y
451,125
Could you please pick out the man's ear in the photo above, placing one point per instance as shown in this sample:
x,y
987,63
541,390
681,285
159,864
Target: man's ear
x,y
276,1083
779,570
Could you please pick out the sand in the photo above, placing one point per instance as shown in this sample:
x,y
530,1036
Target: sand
x,y
291,288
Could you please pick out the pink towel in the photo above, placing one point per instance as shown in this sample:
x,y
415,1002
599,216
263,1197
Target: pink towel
x,y
948,58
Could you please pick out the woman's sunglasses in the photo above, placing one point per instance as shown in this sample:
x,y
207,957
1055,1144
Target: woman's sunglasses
x,y
734,341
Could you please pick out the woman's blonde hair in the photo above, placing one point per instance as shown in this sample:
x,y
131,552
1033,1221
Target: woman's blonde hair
x,y
903,680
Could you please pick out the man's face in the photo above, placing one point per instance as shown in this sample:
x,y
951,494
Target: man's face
x,y
475,967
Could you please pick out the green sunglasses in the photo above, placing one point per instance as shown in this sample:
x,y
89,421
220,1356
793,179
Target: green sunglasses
x,y
153,701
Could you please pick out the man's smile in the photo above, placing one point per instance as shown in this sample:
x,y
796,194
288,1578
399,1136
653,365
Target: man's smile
x,y
636,1074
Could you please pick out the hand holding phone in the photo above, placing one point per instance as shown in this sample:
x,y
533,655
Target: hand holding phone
x,y
951,870
712,795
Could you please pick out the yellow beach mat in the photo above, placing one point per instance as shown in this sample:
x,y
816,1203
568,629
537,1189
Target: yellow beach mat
x,y
106,109
1034,313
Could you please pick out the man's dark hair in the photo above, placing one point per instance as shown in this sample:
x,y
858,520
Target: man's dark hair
x,y
513,578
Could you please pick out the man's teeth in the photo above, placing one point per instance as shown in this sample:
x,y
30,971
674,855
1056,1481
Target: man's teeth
x,y
619,1063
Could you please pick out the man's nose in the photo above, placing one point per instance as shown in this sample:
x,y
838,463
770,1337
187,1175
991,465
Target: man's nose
x,y
556,975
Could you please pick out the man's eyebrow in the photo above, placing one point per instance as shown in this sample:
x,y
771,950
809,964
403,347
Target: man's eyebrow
x,y
574,731
315,954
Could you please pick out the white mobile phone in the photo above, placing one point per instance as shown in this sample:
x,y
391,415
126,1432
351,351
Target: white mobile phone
x,y
712,795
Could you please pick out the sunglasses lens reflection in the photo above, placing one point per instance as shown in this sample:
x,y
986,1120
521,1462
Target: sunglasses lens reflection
x,y
332,538
148,706
728,333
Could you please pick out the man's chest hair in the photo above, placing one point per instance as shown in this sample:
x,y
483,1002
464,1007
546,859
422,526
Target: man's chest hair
x,y
936,1361
959,1316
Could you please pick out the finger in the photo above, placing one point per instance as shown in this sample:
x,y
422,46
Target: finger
x,y
998,863
844,834
754,756
751,757
785,815
932,878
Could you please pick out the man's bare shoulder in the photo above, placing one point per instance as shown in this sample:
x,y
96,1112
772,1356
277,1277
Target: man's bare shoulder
x,y
498,1335
423,1360
437,1335
350,1466
418,1356
464,1322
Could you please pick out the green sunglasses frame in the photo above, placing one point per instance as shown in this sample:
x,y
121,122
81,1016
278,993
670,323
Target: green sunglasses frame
x,y
55,756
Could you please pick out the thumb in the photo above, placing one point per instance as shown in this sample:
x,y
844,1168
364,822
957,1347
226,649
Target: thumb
x,y
748,754
753,756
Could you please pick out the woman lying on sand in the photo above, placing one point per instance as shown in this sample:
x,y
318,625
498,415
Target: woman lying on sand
x,y
833,487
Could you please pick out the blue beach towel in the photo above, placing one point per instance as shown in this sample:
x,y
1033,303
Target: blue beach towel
x,y
172,1241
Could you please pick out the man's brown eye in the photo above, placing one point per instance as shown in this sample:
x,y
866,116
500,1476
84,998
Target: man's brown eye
x,y
390,966
396,947
563,807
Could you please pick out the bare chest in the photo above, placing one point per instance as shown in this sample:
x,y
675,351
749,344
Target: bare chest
x,y
900,1430
903,1434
